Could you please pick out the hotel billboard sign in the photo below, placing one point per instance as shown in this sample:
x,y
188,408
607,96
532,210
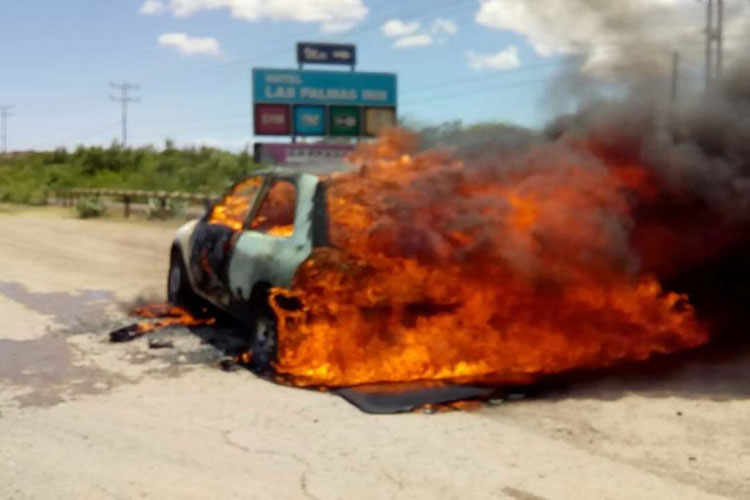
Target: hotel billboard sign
x,y
325,103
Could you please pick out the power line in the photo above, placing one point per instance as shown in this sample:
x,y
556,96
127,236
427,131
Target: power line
x,y
124,99
73,141
482,91
480,78
82,139
204,118
5,112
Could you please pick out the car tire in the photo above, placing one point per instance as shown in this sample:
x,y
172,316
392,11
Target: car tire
x,y
263,340
179,290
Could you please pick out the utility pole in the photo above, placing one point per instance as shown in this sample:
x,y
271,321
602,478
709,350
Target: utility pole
x,y
124,99
675,77
714,41
709,42
5,112
719,38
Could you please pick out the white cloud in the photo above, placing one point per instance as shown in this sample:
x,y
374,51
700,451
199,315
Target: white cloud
x,y
189,46
611,36
411,34
337,26
152,7
332,15
442,25
501,61
418,40
396,28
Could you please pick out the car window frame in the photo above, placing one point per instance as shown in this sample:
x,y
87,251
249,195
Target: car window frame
x,y
262,193
256,204
264,181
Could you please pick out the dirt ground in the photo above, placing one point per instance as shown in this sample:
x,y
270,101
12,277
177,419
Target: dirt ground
x,y
82,418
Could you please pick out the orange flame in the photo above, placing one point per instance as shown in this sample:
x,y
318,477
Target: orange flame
x,y
232,210
275,216
167,315
498,274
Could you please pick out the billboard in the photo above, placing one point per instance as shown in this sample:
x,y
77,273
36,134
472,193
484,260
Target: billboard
x,y
309,120
316,158
326,53
272,119
287,86
344,121
376,119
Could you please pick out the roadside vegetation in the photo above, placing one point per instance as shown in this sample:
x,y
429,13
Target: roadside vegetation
x,y
27,177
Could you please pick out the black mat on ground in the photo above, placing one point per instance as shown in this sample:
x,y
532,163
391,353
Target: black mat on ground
x,y
399,398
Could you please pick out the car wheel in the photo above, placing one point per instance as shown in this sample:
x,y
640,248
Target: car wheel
x,y
264,339
179,291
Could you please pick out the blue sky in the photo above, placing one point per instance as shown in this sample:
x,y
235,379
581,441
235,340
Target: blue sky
x,y
58,57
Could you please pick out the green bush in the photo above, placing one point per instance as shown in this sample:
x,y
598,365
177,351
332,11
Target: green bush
x,y
170,208
88,208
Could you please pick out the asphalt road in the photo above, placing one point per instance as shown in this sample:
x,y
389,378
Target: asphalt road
x,y
82,418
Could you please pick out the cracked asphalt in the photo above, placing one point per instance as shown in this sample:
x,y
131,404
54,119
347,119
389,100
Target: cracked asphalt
x,y
82,418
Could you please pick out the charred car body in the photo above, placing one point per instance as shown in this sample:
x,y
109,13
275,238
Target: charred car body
x,y
254,238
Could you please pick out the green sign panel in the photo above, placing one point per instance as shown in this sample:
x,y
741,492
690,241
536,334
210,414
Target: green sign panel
x,y
344,121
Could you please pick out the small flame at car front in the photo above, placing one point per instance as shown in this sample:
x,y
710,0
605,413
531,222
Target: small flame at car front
x,y
159,316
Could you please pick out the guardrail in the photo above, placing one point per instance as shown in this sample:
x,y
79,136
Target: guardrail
x,y
69,197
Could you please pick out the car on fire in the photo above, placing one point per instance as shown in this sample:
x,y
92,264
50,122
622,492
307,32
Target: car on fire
x,y
252,239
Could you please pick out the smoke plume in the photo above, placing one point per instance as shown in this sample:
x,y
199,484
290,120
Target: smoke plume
x,y
615,40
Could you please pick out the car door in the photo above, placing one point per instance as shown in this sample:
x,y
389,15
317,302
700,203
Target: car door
x,y
215,238
276,239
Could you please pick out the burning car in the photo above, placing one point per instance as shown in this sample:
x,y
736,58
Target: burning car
x,y
253,239
421,266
